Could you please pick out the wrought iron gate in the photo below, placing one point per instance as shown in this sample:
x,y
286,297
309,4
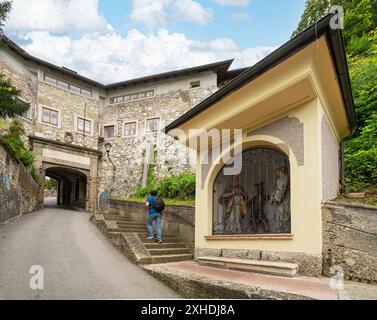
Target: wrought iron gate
x,y
258,199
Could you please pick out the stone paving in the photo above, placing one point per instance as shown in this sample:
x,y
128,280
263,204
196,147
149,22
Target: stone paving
x,y
77,260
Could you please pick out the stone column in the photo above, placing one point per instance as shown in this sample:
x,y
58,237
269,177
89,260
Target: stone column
x,y
91,205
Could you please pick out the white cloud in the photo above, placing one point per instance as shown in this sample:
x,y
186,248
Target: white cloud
x,y
232,3
56,16
192,11
155,13
109,57
240,16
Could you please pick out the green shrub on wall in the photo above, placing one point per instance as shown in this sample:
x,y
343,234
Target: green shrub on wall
x,y
12,138
180,187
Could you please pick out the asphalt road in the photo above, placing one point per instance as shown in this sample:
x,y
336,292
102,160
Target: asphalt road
x,y
77,260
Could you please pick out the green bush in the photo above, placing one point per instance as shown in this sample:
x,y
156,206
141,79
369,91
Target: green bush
x,y
180,187
12,138
361,157
10,106
143,191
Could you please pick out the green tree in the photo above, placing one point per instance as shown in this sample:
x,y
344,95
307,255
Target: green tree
x,y
360,21
10,105
360,37
5,8
314,10
51,184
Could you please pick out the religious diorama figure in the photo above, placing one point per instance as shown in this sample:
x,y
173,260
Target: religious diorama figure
x,y
278,206
257,201
234,200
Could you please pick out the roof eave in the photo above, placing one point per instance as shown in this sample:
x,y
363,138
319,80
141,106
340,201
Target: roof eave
x,y
222,65
13,46
285,51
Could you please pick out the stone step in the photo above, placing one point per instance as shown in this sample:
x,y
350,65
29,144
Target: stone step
x,y
131,223
136,225
171,258
168,251
130,230
165,244
284,269
164,239
123,219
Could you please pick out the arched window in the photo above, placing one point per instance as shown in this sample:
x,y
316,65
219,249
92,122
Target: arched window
x,y
257,200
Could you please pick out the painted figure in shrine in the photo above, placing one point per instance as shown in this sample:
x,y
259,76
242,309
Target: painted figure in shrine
x,y
234,200
257,201
278,206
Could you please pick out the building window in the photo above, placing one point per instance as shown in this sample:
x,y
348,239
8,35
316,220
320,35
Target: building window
x,y
257,200
50,79
67,86
109,131
149,93
50,116
195,84
86,93
28,114
74,89
130,129
63,85
133,96
152,125
84,126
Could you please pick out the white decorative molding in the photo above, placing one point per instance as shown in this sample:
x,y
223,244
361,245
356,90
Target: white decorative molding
x,y
47,153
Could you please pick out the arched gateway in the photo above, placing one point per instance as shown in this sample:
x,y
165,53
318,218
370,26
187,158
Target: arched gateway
x,y
74,167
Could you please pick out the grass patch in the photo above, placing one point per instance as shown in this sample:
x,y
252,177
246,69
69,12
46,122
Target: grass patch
x,y
171,202
369,199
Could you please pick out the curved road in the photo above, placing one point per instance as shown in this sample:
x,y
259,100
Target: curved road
x,y
77,260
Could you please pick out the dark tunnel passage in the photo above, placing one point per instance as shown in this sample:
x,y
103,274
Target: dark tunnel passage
x,y
72,186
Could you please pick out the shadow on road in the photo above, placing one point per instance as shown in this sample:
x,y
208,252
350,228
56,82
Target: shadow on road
x,y
52,203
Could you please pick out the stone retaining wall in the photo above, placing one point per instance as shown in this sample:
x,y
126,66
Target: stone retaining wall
x,y
18,190
350,241
177,220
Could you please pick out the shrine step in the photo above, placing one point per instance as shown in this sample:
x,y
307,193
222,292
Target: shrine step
x,y
284,269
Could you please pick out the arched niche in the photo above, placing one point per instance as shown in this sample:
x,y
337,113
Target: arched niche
x,y
257,201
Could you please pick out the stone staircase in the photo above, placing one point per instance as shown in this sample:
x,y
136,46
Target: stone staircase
x,y
171,250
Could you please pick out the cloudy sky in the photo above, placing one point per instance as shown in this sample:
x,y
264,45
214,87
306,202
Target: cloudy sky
x,y
114,40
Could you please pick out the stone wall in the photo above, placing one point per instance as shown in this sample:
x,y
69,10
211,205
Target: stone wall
x,y
16,71
173,97
18,190
128,153
350,241
177,220
69,105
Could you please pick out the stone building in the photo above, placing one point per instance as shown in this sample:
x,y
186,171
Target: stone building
x,y
72,119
